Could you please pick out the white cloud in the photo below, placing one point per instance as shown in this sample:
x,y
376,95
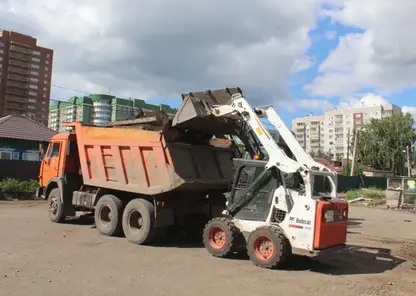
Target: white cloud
x,y
303,63
306,104
363,101
163,48
383,57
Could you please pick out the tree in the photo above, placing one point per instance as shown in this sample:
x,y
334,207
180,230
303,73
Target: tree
x,y
322,154
346,171
382,143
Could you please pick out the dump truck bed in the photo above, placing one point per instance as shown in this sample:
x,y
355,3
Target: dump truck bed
x,y
144,162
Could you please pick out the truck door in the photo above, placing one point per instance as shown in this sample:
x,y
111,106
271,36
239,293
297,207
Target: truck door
x,y
51,162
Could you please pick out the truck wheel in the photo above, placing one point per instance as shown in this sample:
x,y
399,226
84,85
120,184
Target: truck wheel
x,y
107,215
221,237
268,247
139,221
56,207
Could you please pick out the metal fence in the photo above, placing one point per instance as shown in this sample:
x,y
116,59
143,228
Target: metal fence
x,y
401,192
346,183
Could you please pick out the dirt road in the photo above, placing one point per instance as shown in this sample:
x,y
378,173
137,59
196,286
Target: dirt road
x,y
38,257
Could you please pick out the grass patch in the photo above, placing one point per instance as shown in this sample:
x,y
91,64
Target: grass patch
x,y
12,189
372,192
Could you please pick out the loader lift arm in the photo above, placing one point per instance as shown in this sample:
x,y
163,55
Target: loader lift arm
x,y
251,116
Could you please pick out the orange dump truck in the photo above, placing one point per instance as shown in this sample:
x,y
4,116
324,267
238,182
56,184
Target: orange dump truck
x,y
135,181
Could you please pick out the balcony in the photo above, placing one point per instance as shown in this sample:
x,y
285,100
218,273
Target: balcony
x,y
19,64
16,91
339,142
16,99
20,56
19,70
15,107
17,84
18,78
14,48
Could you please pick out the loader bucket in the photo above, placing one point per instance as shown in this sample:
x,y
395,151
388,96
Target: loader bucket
x,y
195,114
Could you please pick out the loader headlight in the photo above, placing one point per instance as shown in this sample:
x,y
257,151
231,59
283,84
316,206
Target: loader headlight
x,y
256,157
345,214
329,216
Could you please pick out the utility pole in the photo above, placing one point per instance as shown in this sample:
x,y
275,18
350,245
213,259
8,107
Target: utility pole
x,y
409,170
348,149
354,153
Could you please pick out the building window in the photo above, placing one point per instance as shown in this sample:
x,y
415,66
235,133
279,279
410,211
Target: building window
x,y
34,79
8,155
1,44
43,102
32,93
1,58
35,52
34,66
1,51
16,155
46,69
45,82
36,59
46,75
32,101
47,62
33,86
36,73
30,156
31,107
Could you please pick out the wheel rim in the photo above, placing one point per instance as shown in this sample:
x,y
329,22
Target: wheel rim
x,y
53,205
106,215
217,237
135,221
263,248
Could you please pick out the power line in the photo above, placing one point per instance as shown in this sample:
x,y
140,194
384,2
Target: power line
x,y
72,89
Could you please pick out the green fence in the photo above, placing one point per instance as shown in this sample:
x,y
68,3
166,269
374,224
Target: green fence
x,y
346,183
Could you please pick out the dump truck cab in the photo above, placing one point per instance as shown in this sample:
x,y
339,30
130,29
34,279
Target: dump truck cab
x,y
60,168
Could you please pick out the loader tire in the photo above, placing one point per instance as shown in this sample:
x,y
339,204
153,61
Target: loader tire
x,y
107,215
221,237
139,221
268,247
56,207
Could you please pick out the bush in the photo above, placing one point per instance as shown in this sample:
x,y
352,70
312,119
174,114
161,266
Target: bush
x,y
16,189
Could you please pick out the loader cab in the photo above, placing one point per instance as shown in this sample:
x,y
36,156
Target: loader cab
x,y
253,188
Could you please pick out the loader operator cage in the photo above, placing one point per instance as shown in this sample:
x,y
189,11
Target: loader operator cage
x,y
253,188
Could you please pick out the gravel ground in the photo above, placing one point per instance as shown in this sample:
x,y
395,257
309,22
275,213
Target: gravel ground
x,y
38,257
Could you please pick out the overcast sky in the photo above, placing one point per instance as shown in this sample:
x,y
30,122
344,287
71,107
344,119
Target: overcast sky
x,y
300,55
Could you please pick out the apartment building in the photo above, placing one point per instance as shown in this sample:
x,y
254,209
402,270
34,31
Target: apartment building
x,y
97,109
25,76
333,131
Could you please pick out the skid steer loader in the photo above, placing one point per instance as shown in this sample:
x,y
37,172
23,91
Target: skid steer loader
x,y
276,208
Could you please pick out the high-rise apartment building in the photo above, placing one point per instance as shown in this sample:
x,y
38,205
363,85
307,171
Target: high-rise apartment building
x,y
98,109
333,131
25,76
